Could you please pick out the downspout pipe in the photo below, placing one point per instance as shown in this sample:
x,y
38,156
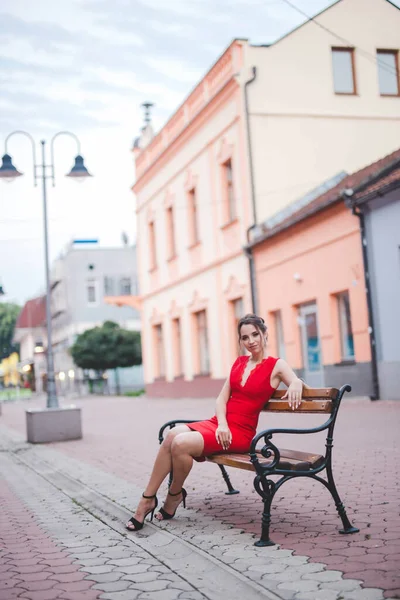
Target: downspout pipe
x,y
372,338
248,251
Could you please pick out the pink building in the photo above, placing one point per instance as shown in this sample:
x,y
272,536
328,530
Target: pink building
x,y
259,131
312,289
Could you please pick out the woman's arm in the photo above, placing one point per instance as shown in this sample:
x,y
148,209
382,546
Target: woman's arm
x,y
223,434
285,374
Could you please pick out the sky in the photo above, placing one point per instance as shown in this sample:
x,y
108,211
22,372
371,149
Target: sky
x,y
86,66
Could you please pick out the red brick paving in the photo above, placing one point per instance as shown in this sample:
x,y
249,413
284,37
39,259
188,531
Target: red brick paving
x,y
120,436
29,559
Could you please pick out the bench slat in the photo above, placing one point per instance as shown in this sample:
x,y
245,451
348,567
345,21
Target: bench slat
x,y
312,393
291,460
307,406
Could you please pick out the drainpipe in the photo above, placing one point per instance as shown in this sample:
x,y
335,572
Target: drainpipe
x,y
248,251
372,338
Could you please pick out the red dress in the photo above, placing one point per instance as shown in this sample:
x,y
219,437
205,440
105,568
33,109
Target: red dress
x,y
243,407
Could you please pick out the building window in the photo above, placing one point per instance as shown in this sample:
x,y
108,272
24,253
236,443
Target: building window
x,y
346,331
388,72
176,332
344,80
108,286
193,217
202,341
159,347
125,286
229,191
91,291
280,340
238,312
152,245
171,250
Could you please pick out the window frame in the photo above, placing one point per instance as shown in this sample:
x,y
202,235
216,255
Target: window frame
x,y
351,51
202,329
397,75
193,216
343,329
122,281
92,283
171,241
152,245
109,285
279,334
229,192
160,351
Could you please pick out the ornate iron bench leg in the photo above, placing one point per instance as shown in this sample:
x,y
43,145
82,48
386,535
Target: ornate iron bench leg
x,y
347,526
265,523
231,489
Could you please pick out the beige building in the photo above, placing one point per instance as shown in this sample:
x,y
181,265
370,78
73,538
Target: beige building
x,y
266,125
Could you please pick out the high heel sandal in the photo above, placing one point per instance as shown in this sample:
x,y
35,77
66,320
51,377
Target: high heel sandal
x,y
164,513
139,524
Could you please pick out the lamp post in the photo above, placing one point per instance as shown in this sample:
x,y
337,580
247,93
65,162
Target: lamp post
x,y
43,172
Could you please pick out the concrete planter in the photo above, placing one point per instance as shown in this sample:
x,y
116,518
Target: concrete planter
x,y
53,424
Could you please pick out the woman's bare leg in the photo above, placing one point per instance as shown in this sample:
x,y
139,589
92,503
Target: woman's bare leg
x,y
184,447
162,467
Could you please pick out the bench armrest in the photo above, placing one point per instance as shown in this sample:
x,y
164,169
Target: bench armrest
x,y
172,424
270,450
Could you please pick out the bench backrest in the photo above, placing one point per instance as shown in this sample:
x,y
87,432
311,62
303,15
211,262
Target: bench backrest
x,y
318,400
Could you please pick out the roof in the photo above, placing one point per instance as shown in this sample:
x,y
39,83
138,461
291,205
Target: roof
x,y
33,314
380,186
386,169
309,19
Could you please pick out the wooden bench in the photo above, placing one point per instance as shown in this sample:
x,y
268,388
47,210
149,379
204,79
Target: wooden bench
x,y
269,460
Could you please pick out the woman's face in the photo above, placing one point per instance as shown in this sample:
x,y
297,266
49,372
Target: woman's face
x,y
252,339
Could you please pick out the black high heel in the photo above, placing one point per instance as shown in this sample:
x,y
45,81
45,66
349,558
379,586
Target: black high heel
x,y
164,513
139,524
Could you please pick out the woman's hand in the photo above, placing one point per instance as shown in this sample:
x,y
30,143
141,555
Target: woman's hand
x,y
223,436
294,393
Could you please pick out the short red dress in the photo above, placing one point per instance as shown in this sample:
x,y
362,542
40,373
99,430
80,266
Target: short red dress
x,y
243,407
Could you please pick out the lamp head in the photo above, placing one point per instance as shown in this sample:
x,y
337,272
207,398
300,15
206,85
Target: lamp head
x,y
79,171
7,170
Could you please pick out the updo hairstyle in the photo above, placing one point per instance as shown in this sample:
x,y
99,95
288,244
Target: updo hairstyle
x,y
251,319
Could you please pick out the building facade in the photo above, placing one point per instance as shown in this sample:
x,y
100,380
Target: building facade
x,y
378,207
258,132
313,289
81,279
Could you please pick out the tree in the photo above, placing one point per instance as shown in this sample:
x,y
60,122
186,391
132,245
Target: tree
x,y
8,317
107,347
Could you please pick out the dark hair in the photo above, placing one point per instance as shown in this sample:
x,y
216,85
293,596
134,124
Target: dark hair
x,y
251,319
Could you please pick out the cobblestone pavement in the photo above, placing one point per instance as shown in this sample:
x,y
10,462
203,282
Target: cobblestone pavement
x,y
116,453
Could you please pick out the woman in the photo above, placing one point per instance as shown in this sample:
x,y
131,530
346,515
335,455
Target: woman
x,y
252,381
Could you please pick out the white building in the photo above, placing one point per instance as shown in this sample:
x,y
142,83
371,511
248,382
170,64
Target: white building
x,y
80,280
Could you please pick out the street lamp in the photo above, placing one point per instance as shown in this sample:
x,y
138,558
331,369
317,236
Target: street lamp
x,y
8,172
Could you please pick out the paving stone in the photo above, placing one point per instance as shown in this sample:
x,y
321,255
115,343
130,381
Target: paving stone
x,y
113,586
129,570
320,595
41,595
324,576
343,585
98,569
124,595
122,562
365,594
161,595
104,577
298,586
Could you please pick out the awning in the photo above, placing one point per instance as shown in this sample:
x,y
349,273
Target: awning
x,y
132,301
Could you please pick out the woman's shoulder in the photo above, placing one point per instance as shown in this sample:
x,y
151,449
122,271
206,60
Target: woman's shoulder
x,y
271,361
